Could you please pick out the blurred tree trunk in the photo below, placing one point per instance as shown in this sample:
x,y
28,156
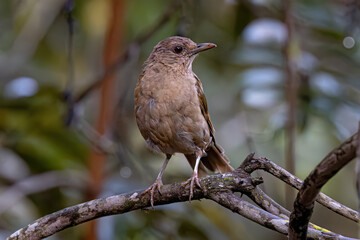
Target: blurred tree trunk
x,y
290,93
111,52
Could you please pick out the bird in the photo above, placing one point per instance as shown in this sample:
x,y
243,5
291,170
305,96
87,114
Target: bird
x,y
172,114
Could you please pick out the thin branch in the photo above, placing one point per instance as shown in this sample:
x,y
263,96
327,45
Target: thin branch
x,y
266,219
267,203
326,169
68,8
251,164
235,204
99,143
39,183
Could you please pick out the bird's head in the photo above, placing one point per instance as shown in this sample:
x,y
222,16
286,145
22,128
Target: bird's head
x,y
177,51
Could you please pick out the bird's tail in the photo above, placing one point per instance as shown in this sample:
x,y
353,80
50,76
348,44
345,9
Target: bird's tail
x,y
215,160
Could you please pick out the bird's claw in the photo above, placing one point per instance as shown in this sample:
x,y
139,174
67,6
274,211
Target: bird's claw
x,y
191,181
155,186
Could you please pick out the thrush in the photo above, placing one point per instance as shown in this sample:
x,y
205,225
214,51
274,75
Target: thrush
x,y
172,113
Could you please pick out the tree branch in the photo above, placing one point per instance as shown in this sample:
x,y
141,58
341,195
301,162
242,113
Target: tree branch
x,y
251,164
267,203
326,169
266,219
218,188
39,183
72,216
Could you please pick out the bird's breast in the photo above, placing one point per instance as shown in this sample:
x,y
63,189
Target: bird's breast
x,y
168,113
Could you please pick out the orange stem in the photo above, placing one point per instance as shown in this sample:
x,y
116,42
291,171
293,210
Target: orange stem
x,y
97,160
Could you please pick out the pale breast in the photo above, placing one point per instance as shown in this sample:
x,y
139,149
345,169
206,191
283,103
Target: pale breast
x,y
168,113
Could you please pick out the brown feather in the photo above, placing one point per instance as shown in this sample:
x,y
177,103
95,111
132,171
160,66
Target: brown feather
x,y
203,105
216,160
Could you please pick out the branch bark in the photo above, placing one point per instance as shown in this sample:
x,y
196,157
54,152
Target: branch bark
x,y
264,218
251,164
72,216
326,169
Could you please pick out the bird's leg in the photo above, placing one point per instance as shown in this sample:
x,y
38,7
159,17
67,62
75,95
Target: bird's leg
x,y
194,178
158,182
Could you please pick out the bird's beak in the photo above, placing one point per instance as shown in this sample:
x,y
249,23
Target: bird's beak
x,y
202,47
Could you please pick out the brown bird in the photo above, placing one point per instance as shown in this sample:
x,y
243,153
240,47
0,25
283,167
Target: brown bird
x,y
171,110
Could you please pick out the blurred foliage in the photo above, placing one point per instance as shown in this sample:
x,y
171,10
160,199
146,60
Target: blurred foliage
x,y
243,80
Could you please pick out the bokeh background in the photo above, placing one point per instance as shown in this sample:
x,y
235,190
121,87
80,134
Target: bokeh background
x,y
67,129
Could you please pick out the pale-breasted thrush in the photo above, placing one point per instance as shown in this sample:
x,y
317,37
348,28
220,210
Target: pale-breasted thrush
x,y
171,110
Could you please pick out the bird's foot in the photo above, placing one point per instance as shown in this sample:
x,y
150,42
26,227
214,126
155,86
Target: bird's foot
x,y
191,181
155,186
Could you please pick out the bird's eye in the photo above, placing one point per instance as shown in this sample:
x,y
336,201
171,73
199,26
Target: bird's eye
x,y
178,49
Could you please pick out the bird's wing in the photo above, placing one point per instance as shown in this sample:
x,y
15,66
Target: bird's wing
x,y
216,159
137,88
203,106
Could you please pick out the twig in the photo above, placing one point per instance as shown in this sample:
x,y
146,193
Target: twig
x,y
268,220
251,164
99,143
308,193
267,203
38,183
235,204
68,7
